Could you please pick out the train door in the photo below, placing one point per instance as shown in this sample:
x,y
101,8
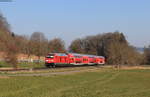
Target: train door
x,y
71,60
62,59
85,60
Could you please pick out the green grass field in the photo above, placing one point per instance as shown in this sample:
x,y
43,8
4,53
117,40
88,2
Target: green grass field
x,y
102,83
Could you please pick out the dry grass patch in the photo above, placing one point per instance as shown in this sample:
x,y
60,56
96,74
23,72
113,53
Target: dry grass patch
x,y
135,67
4,77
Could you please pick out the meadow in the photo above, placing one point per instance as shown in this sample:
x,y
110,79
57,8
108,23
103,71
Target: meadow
x,y
100,83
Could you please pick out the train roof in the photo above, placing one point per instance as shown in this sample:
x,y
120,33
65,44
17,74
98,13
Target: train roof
x,y
76,54
59,54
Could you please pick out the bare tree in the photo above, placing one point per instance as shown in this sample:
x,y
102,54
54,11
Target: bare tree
x,y
146,55
7,41
56,46
38,44
12,51
77,46
4,26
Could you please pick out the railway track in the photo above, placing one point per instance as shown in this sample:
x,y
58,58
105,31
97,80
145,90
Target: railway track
x,y
44,68
50,71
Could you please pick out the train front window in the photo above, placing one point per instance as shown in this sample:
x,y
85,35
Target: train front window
x,y
50,56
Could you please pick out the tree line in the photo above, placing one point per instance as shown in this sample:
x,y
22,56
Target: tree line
x,y
112,45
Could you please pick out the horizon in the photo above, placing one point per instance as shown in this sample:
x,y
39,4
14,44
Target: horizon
x,y
74,19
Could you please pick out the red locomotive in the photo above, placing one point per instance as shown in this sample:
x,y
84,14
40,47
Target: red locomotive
x,y
62,59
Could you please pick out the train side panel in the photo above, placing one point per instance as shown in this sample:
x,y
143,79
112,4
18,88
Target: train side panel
x,y
61,59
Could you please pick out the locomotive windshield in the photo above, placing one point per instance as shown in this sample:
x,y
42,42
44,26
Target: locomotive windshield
x,y
50,56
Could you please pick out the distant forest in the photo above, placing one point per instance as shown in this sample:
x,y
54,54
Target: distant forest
x,y
112,45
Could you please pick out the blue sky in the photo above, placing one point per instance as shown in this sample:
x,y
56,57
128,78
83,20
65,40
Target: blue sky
x,y
70,19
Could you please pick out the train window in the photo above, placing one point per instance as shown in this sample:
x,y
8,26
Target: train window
x,y
84,59
61,54
50,56
78,56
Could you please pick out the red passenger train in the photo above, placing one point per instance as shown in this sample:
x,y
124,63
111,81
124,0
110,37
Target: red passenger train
x,y
62,59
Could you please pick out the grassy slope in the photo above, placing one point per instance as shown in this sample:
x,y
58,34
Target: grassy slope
x,y
125,83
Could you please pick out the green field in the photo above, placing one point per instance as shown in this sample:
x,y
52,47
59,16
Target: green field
x,y
102,83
